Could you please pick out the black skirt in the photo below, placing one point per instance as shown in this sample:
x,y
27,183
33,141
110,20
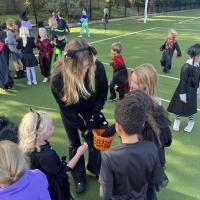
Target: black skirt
x,y
29,60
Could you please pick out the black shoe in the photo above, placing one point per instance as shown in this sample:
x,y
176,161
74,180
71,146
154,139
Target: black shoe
x,y
80,187
111,98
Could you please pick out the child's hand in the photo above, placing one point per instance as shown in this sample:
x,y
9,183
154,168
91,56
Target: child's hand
x,y
178,56
82,148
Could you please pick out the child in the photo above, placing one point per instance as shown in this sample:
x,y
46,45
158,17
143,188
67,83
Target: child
x,y
62,23
52,26
26,23
156,127
59,44
120,74
168,49
12,45
105,18
45,51
129,168
16,180
35,130
84,24
26,44
184,100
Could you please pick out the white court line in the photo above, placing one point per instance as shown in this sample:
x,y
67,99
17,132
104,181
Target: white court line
x,y
133,33
45,108
165,76
188,20
40,107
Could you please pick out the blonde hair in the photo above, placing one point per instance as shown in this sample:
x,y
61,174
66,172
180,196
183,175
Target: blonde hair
x,y
74,74
13,162
106,11
117,46
147,77
33,129
24,34
52,22
11,24
173,31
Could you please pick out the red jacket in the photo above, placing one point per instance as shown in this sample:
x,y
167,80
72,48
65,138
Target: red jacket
x,y
45,49
118,62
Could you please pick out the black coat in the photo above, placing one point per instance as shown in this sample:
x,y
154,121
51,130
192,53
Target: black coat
x,y
93,104
164,139
189,82
4,62
28,57
48,161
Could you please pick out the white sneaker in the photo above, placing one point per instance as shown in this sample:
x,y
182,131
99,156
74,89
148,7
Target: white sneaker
x,y
28,82
189,127
176,125
35,82
45,80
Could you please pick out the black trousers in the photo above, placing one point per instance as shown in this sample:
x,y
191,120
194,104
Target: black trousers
x,y
45,67
94,156
120,88
166,60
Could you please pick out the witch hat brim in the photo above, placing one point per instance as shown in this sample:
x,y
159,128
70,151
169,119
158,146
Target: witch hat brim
x,y
60,32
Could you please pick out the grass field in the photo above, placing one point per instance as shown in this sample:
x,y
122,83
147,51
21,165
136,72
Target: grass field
x,y
141,44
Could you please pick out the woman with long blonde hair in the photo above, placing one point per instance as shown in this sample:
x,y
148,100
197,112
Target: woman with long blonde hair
x,y
16,180
80,86
27,44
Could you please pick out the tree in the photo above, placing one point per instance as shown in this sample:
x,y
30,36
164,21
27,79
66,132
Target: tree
x,y
35,6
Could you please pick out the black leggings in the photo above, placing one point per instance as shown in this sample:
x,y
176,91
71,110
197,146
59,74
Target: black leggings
x,y
45,67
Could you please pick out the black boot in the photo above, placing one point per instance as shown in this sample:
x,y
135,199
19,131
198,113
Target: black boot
x,y
17,75
22,73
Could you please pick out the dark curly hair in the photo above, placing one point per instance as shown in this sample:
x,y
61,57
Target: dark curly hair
x,y
130,113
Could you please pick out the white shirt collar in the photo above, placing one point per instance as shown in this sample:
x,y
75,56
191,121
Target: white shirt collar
x,y
190,62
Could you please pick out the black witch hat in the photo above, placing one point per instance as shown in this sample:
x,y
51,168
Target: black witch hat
x,y
23,16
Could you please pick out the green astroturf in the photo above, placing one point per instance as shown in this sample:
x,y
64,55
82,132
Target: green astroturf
x,y
183,163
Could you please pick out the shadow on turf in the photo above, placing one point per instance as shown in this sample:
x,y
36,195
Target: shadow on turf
x,y
167,194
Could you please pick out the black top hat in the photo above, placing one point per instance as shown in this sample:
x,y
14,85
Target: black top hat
x,y
24,16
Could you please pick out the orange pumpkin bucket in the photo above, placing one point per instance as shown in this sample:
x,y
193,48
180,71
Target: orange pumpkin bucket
x,y
101,143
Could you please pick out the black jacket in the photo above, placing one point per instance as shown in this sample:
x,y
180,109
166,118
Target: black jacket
x,y
48,161
84,107
29,46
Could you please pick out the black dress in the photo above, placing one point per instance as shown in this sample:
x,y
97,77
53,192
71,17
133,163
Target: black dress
x,y
76,116
189,83
49,163
127,170
28,57
166,59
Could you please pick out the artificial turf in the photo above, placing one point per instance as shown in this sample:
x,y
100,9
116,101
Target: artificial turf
x,y
141,43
